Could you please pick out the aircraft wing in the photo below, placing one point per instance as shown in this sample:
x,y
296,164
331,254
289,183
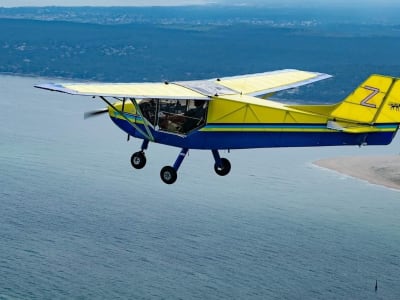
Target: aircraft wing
x,y
129,90
257,85
261,84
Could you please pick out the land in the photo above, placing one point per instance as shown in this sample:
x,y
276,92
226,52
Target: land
x,y
381,170
128,44
187,43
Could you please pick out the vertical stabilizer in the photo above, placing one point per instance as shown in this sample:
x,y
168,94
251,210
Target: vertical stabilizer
x,y
373,101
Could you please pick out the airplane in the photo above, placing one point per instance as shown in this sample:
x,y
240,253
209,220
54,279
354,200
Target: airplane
x,y
237,113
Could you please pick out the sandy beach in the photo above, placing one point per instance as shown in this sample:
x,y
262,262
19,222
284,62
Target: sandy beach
x,y
381,170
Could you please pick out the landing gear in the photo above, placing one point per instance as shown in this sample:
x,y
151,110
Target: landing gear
x,y
138,160
168,175
222,166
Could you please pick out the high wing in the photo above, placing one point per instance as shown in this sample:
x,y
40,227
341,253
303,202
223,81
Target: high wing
x,y
257,85
129,90
261,84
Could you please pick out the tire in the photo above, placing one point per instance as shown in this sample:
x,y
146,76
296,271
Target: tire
x,y
138,160
225,169
168,175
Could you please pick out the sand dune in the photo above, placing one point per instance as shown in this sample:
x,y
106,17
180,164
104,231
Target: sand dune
x,y
382,170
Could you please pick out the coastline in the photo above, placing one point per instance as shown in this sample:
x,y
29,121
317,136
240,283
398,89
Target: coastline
x,y
381,170
47,78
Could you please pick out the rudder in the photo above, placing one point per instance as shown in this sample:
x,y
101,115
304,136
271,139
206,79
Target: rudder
x,y
390,110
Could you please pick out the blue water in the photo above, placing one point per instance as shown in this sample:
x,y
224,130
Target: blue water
x,y
76,221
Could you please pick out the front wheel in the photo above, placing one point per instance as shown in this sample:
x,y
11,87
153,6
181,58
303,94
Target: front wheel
x,y
224,169
138,160
168,175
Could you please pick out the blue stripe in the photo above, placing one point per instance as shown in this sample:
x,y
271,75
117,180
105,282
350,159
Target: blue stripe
x,y
134,118
244,140
266,125
387,126
284,126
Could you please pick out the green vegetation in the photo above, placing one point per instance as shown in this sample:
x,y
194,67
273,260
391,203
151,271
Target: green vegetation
x,y
220,45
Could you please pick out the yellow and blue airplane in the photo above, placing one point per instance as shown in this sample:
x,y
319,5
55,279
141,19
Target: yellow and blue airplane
x,y
235,113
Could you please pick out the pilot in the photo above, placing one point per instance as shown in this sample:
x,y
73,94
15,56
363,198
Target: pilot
x,y
148,108
194,116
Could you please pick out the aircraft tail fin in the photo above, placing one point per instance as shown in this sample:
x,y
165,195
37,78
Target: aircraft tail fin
x,y
375,101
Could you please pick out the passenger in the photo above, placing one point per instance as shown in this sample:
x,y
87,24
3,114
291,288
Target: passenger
x,y
194,116
178,107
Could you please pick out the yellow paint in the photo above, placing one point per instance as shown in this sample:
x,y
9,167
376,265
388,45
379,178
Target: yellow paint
x,y
376,101
315,109
363,104
390,112
128,108
246,109
252,84
136,90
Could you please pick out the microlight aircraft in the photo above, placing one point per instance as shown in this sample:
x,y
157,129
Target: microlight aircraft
x,y
235,113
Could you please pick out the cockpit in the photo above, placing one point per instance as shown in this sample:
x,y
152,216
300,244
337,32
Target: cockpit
x,y
175,116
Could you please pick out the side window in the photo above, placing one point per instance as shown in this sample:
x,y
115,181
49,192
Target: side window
x,y
194,117
181,116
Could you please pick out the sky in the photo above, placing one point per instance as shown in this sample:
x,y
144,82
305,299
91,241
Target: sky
x,y
15,3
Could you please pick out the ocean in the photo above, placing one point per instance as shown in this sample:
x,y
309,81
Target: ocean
x,y
77,222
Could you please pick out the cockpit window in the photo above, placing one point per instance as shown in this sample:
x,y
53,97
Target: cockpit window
x,y
177,116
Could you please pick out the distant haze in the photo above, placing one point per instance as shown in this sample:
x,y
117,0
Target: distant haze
x,y
13,3
360,3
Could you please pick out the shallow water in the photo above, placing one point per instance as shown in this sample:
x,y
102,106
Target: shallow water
x,y
76,221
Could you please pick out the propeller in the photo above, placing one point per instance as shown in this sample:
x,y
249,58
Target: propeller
x,y
94,113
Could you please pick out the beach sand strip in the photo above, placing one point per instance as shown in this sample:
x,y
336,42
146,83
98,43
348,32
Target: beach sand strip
x,y
381,170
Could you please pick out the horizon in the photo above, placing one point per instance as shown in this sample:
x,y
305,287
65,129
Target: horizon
x,y
143,3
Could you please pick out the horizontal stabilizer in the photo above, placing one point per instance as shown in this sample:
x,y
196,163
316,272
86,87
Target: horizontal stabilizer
x,y
351,127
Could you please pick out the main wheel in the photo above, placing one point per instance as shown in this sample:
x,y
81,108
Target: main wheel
x,y
168,175
138,160
224,170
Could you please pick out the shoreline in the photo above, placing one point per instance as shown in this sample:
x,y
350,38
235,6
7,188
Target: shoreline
x,y
381,170
48,78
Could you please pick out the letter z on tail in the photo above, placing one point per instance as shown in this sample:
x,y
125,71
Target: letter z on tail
x,y
373,107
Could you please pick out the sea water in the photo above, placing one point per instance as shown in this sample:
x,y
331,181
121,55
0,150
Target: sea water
x,y
76,221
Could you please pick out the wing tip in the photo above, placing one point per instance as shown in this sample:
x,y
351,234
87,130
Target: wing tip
x,y
54,87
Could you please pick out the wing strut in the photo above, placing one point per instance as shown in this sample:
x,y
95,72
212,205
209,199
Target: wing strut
x,y
147,135
145,122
